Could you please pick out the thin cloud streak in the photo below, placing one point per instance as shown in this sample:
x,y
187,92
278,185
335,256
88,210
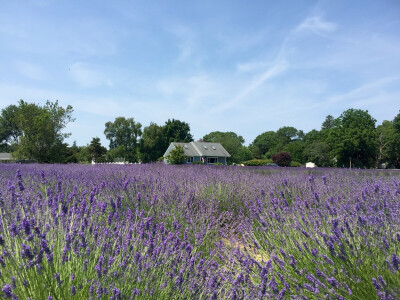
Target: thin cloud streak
x,y
253,85
316,25
363,91
30,70
87,77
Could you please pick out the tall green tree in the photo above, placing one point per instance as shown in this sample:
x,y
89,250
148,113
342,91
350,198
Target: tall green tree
x,y
40,130
176,131
152,143
71,153
244,154
84,155
232,142
353,139
396,123
287,134
296,150
97,151
317,149
319,153
388,145
263,143
328,123
124,135
9,131
396,142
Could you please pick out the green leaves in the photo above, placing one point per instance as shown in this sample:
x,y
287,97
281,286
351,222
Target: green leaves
x,y
177,131
123,135
176,156
354,138
232,142
36,131
152,143
96,150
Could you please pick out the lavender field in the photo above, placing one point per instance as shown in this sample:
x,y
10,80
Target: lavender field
x,y
198,232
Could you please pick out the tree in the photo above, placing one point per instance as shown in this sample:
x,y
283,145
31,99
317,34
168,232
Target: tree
x,y
84,155
244,154
329,123
396,123
316,148
232,142
353,139
9,131
177,131
71,153
286,134
176,156
152,143
282,159
388,145
96,150
38,130
295,149
319,153
263,143
124,134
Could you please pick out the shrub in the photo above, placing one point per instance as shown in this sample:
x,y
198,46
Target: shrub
x,y
176,156
282,159
295,164
197,163
257,162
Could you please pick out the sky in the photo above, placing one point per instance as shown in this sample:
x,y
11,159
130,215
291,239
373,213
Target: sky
x,y
241,66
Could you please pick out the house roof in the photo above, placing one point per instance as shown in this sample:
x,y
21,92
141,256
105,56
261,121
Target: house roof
x,y
188,149
204,149
5,156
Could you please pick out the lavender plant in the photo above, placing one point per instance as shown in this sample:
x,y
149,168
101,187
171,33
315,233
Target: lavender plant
x,y
198,232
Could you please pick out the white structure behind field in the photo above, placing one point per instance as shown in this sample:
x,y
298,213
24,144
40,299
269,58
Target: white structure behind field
x,y
310,165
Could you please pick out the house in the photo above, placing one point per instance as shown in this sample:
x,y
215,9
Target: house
x,y
208,153
310,165
6,158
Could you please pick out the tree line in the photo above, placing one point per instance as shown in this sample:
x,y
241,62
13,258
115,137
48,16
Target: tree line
x,y
35,132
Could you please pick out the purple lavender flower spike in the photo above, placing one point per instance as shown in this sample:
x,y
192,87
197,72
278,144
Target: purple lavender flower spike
x,y
396,262
7,291
376,284
73,290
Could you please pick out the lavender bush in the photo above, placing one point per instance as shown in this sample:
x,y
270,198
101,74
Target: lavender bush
x,y
198,232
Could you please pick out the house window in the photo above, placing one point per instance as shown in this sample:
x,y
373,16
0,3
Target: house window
x,y
212,160
189,159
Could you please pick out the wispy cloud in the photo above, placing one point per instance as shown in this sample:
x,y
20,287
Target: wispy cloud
x,y
252,66
256,82
88,77
362,92
195,90
241,42
30,70
317,25
185,38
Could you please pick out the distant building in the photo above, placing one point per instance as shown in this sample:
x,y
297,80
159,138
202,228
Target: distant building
x,y
310,165
208,153
6,158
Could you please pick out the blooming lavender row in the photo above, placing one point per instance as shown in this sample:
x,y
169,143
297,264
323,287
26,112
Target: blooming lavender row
x,y
196,232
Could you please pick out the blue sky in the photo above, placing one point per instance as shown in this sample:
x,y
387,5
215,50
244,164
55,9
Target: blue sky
x,y
242,66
